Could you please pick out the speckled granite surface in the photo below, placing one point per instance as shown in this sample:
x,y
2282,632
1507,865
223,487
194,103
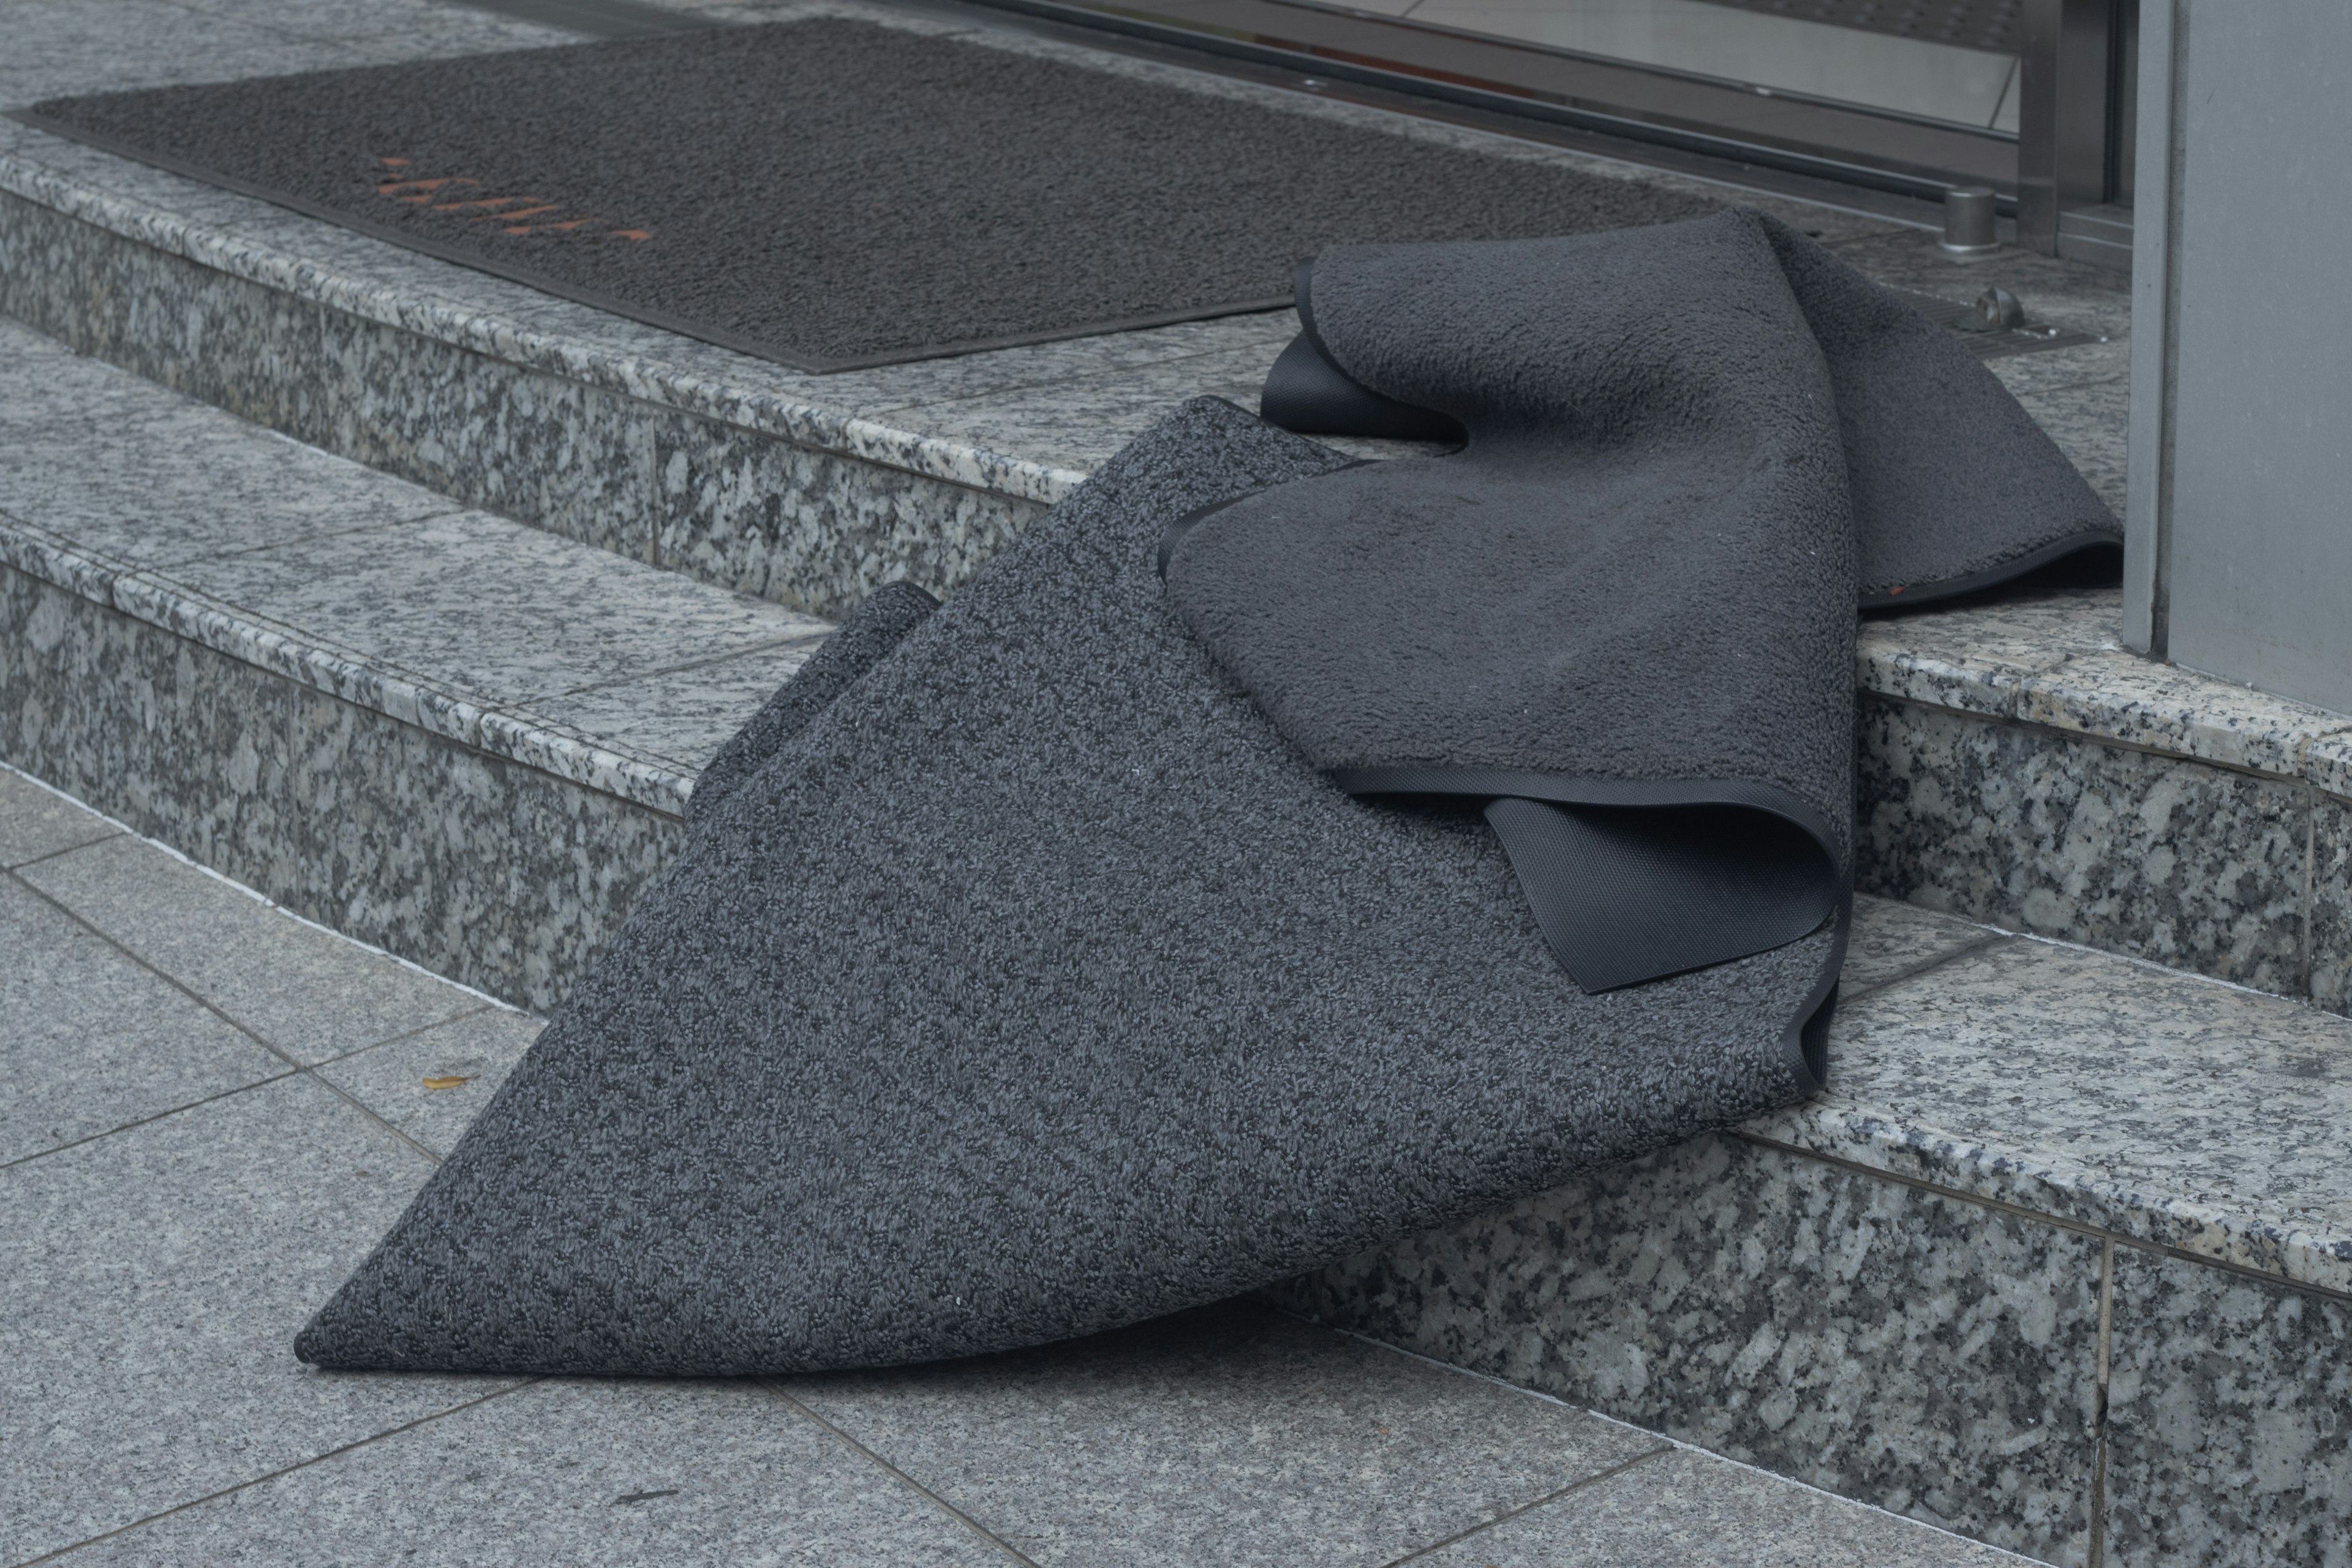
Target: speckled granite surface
x,y
1893,1291
655,446
2162,1108
460,738
2230,1421
2073,820
2019,767
1933,1357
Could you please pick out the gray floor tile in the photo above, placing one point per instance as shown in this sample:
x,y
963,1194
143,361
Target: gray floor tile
x,y
486,606
1231,1436
90,1041
719,1474
306,991
1892,939
1689,1511
155,1281
396,1079
34,822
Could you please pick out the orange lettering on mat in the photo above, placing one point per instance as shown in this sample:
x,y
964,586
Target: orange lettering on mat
x,y
502,210
480,202
424,188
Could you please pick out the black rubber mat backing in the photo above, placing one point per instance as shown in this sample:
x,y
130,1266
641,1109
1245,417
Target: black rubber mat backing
x,y
831,194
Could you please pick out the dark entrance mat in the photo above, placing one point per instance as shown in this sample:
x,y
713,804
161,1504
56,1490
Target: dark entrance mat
x,y
833,193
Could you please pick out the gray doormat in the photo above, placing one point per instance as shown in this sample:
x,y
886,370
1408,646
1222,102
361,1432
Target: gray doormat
x,y
832,194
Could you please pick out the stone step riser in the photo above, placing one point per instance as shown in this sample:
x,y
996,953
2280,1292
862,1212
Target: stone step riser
x,y
2037,1385
730,504
2245,875
500,875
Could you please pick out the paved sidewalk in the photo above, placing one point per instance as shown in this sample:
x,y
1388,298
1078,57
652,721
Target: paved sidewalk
x,y
209,1110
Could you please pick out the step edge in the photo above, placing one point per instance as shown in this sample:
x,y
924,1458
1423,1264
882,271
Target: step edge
x,y
2069,1195
508,731
810,424
1870,1138
2206,720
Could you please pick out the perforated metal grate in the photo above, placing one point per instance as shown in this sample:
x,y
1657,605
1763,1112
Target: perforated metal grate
x,y
1995,25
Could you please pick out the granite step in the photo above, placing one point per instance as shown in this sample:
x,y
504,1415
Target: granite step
x,y
2063,1256
465,740
2017,766
808,489
2062,1261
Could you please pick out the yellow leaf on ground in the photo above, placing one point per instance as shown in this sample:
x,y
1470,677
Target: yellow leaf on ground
x,y
450,1082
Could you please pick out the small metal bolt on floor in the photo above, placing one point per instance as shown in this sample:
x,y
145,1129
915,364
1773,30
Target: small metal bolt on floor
x,y
1969,222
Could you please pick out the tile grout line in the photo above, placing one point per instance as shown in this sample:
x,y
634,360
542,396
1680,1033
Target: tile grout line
x,y
341,1056
44,857
2039,727
273,1475
1068,378
1665,1448
2096,1550
481,1006
2312,796
301,1070
255,894
842,1437
143,1121
779,645
1673,1442
1990,939
159,568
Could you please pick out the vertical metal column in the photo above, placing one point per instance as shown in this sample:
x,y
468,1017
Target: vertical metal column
x,y
2064,119
2238,533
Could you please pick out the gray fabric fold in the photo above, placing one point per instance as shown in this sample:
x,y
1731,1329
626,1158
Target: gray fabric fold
x,y
1630,596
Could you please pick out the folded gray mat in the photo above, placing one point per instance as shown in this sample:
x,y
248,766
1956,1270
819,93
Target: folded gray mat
x,y
1026,971
1623,615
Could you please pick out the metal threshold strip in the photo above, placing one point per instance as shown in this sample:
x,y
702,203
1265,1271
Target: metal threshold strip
x,y
1849,145
1713,128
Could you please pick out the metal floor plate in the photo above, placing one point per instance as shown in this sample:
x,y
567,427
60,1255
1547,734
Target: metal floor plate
x,y
1993,25
2031,337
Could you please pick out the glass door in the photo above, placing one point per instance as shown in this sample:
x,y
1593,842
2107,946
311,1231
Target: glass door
x,y
1915,97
